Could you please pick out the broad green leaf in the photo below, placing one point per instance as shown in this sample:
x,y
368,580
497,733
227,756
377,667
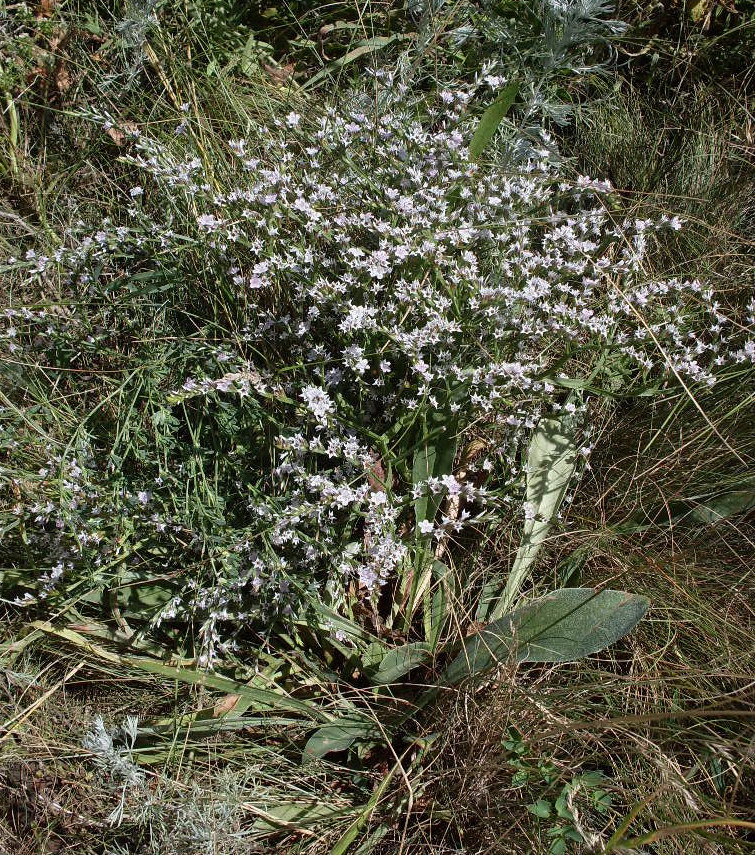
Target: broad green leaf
x,y
560,627
11,577
372,655
299,814
558,847
339,736
332,620
205,722
723,506
400,661
550,465
585,385
492,118
540,808
249,56
144,600
562,807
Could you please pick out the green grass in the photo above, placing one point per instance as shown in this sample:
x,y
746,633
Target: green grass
x,y
661,723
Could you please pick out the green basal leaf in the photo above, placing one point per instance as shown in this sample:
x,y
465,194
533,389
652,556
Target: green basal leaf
x,y
560,627
700,510
300,814
400,661
366,46
438,603
551,461
339,736
540,808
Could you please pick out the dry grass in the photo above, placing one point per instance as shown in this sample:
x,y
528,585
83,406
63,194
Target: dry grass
x,y
668,718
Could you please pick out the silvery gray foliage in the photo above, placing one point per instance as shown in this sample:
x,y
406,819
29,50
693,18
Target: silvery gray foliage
x,y
541,44
111,758
572,32
139,18
422,10
114,761
563,35
202,819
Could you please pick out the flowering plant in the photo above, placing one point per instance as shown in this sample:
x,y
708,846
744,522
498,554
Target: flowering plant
x,y
341,303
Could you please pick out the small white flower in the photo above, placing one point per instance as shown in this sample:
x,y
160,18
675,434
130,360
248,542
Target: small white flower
x,y
426,527
209,222
318,403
